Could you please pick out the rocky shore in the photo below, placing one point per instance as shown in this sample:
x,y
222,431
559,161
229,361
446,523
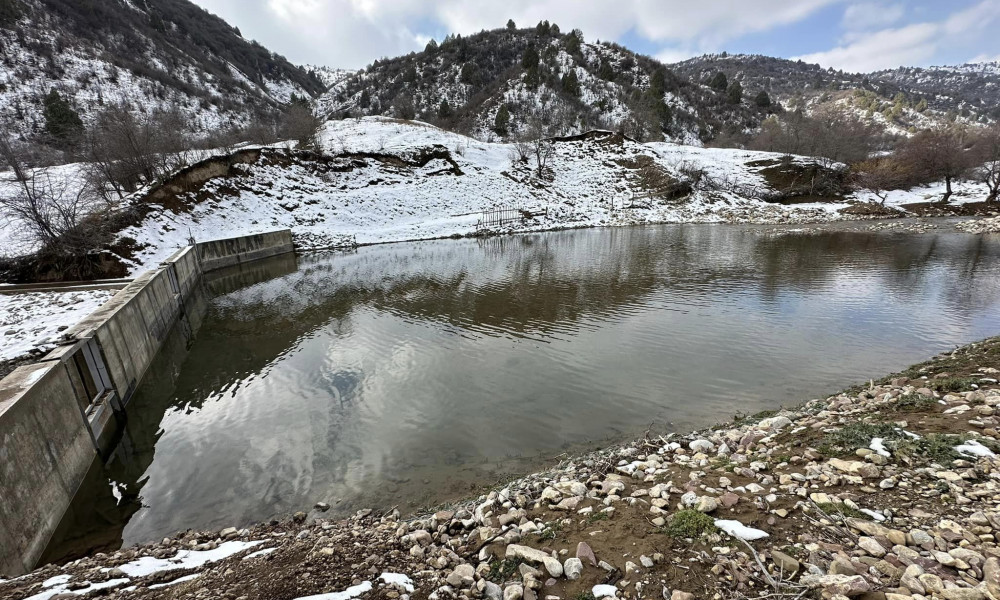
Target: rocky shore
x,y
886,491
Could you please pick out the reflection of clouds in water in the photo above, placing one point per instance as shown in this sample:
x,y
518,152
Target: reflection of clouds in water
x,y
360,370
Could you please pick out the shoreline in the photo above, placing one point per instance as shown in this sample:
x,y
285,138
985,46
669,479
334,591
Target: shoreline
x,y
850,223
851,503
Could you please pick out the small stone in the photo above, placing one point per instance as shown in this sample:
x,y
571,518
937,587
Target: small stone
x,y
701,446
871,546
785,562
963,594
706,504
833,585
573,568
322,506
584,552
679,595
462,577
729,499
513,592
911,581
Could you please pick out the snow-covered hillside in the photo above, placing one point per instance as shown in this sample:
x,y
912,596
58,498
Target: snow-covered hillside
x,y
394,181
330,76
145,55
540,77
898,99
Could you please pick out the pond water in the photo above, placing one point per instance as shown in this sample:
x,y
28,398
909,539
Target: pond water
x,y
409,374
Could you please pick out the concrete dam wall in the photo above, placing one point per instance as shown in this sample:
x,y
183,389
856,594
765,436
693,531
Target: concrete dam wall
x,y
57,416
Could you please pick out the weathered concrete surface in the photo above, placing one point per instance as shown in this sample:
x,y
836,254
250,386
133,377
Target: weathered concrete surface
x,y
47,444
223,253
45,451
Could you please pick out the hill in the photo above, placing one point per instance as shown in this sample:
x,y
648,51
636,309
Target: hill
x,y
900,100
504,83
147,54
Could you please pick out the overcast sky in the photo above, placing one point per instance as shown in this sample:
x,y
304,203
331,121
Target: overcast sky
x,y
851,35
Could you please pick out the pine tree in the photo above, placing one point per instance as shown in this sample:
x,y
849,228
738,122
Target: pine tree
x,y
719,82
734,95
530,64
61,121
658,83
444,111
762,100
511,26
572,41
502,120
570,83
530,58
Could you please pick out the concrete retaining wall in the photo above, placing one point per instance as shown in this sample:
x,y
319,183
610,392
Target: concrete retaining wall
x,y
233,251
59,415
46,451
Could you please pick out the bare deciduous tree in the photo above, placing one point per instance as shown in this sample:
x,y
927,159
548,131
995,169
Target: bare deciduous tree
x,y
939,154
48,209
880,176
300,124
988,153
829,133
542,147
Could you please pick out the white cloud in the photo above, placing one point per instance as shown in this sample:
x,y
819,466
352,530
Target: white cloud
x,y
981,58
910,45
352,33
863,16
881,50
674,55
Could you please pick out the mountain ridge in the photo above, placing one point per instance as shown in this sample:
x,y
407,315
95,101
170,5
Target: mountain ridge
x,y
148,54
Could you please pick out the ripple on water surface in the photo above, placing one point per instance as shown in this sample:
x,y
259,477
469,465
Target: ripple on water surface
x,y
405,374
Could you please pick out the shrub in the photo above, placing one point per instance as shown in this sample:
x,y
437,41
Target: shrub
x,y
852,436
689,523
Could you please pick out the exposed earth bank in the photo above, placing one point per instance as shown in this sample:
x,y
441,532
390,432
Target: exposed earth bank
x,y
888,490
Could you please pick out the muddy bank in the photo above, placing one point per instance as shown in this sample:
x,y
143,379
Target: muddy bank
x,y
887,490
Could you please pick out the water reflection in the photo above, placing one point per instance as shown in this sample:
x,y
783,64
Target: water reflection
x,y
404,374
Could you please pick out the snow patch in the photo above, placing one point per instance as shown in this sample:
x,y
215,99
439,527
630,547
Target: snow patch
x,y
974,448
184,559
62,589
739,530
879,447
175,581
873,514
351,592
398,579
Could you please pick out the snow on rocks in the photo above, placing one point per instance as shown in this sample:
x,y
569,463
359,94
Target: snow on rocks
x,y
184,559
352,592
987,225
974,448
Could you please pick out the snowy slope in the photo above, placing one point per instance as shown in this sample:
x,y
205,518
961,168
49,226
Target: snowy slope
x,y
168,54
384,200
32,321
478,74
